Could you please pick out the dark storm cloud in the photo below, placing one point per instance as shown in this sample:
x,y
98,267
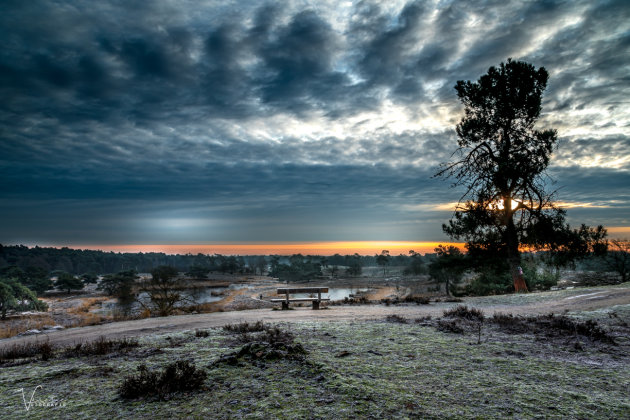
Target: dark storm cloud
x,y
285,62
284,105
224,203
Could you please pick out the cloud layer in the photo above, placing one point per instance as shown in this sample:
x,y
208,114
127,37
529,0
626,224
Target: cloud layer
x,y
177,121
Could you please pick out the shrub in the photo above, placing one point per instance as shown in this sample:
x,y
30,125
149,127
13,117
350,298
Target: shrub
x,y
245,327
418,300
536,279
552,325
462,311
510,323
46,350
175,377
201,333
27,350
100,347
451,326
396,318
567,326
271,343
274,335
490,283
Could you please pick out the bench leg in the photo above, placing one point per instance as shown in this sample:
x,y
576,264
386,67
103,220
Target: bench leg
x,y
285,306
315,304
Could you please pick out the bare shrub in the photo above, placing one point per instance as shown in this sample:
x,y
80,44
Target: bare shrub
x,y
451,326
462,311
552,325
99,347
272,343
245,327
396,318
418,300
423,320
175,377
201,333
27,351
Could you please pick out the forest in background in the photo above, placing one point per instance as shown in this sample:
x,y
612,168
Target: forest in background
x,y
77,261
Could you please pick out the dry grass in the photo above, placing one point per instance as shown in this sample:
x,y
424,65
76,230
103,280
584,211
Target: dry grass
x,y
87,305
13,327
209,307
90,319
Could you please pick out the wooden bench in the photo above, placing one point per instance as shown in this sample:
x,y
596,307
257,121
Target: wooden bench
x,y
288,291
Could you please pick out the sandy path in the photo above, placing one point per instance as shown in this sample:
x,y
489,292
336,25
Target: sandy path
x,y
586,299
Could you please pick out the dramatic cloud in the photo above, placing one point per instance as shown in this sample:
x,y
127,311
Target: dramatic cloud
x,y
187,121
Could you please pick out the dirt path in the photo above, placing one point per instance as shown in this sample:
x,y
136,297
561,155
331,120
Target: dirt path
x,y
585,299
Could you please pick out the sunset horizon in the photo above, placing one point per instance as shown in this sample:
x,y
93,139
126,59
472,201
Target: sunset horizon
x,y
363,248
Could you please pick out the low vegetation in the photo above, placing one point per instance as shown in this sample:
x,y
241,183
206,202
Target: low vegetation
x,y
30,352
512,366
176,377
462,311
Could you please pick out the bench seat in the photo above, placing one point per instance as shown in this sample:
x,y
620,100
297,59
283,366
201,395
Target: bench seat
x,y
300,300
299,290
290,290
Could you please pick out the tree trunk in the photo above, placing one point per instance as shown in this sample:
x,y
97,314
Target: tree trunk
x,y
514,258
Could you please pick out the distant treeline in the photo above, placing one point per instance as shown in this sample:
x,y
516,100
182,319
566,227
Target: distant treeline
x,y
77,261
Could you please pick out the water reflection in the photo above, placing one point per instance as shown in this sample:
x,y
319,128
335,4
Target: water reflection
x,y
215,294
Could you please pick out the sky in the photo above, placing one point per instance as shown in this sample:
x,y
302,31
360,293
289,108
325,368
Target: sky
x,y
236,122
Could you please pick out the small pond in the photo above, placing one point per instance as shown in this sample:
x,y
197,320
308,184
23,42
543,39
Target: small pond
x,y
216,294
195,295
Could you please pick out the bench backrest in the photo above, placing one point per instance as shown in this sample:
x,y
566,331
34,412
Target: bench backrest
x,y
287,290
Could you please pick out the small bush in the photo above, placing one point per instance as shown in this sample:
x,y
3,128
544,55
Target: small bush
x,y
176,377
539,278
271,351
46,350
100,347
490,283
245,327
552,325
272,344
567,326
451,326
355,300
462,311
418,300
275,335
27,350
510,323
201,333
396,318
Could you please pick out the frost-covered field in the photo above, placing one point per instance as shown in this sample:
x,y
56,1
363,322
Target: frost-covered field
x,y
369,369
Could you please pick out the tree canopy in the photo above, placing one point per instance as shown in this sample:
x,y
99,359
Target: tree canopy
x,y
15,296
66,281
501,163
448,267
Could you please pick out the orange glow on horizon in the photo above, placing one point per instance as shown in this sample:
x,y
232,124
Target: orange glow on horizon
x,y
306,248
618,232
